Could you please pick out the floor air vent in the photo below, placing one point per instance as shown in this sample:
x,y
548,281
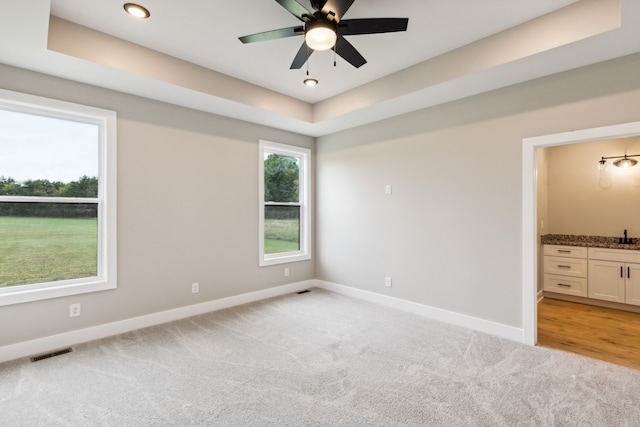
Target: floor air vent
x,y
52,354
303,292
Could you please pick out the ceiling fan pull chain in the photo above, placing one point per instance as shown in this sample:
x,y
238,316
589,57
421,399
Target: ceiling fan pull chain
x,y
334,54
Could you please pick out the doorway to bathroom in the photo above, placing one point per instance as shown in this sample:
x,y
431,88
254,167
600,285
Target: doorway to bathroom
x,y
534,227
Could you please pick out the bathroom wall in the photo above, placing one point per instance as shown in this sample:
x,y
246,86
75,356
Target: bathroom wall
x,y
542,200
581,200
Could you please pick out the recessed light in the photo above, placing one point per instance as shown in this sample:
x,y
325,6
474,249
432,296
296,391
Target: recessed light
x,y
136,10
311,82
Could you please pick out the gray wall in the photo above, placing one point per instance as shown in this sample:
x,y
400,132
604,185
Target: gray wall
x,y
450,235
187,211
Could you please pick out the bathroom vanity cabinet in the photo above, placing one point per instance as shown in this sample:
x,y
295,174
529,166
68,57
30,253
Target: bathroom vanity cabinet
x,y
596,273
565,270
614,275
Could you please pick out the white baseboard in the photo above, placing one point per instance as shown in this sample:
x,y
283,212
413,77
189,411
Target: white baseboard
x,y
469,322
55,342
540,295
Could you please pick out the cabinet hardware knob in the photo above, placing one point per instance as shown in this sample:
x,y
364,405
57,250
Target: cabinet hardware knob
x,y
564,266
621,274
564,251
628,272
564,284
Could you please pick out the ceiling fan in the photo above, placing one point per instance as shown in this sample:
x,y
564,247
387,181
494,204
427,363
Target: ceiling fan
x,y
325,29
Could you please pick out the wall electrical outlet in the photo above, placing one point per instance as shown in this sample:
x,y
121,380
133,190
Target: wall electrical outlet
x,y
388,189
74,310
195,288
286,272
387,282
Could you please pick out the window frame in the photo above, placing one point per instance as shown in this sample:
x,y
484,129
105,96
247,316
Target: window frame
x,y
106,120
304,193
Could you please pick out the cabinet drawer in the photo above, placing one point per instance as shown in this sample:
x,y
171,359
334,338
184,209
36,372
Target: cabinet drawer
x,y
575,267
619,255
566,251
565,285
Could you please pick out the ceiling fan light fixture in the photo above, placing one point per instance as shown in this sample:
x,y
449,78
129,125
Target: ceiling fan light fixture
x,y
310,82
136,10
320,35
323,28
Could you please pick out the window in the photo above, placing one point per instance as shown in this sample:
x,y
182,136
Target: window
x,y
57,198
284,203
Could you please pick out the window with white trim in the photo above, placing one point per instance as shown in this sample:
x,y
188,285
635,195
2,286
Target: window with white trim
x,y
284,196
57,198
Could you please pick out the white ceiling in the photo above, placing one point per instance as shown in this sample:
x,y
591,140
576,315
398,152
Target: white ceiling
x,y
205,32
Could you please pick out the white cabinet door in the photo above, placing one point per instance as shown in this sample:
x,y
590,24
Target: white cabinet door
x,y
606,280
632,274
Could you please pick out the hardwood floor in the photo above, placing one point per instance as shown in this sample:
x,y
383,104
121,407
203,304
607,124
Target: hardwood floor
x,y
601,333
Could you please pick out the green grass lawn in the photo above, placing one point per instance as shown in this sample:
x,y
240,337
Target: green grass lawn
x,y
36,250
281,235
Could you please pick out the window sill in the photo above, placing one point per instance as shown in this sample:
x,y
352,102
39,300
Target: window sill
x,y
28,293
276,259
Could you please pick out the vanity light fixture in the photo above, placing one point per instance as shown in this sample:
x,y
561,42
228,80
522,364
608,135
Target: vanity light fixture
x,y
310,82
623,162
137,10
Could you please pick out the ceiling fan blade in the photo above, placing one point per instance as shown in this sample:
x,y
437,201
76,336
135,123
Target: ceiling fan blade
x,y
351,27
337,8
295,8
318,4
273,34
301,57
349,53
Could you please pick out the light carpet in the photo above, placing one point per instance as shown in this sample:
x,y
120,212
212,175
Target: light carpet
x,y
315,359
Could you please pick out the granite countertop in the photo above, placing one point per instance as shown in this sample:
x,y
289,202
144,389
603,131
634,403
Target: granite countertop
x,y
588,241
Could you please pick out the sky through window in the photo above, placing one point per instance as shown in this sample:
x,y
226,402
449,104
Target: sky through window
x,y
37,147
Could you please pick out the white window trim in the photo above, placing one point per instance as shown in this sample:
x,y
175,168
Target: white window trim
x,y
106,277
304,183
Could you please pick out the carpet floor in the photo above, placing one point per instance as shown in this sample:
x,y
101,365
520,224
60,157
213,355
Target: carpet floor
x,y
315,359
